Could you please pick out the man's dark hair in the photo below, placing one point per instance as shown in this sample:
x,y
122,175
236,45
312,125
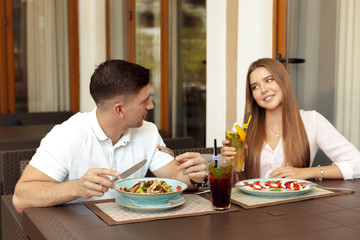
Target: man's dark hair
x,y
117,77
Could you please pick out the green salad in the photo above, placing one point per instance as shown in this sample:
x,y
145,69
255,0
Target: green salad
x,y
150,187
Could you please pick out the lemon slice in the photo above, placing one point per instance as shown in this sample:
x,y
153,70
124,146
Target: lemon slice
x,y
240,132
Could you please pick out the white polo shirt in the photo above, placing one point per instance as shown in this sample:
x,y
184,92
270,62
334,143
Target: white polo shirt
x,y
70,149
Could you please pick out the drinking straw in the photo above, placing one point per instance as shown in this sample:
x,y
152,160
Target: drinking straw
x,y
215,156
247,117
247,121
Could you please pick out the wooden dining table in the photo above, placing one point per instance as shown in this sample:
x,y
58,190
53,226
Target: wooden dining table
x,y
334,217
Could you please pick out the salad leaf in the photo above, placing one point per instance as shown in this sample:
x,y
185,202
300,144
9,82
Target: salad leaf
x,y
149,187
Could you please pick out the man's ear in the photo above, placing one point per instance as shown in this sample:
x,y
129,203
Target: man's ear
x,y
119,109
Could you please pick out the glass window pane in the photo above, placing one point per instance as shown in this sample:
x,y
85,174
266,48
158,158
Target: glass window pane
x,y
191,80
322,33
41,55
19,15
147,48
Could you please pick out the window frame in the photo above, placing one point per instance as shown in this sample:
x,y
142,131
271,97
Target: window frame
x,y
279,28
164,57
7,80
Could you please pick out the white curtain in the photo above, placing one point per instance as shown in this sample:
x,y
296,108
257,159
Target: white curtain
x,y
348,70
48,55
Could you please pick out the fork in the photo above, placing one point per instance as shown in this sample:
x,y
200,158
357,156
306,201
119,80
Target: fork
x,y
335,188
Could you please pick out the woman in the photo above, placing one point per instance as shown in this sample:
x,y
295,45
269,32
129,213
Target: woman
x,y
281,140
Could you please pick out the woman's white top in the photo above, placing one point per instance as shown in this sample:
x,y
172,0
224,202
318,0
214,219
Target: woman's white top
x,y
322,135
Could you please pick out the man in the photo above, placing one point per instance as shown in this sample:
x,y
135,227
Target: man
x,y
78,159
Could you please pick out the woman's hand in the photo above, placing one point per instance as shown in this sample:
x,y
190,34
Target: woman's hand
x,y
291,172
331,171
226,151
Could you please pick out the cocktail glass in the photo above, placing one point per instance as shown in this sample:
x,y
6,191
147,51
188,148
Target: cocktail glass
x,y
220,175
237,143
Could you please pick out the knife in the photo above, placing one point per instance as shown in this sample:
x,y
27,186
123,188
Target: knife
x,y
130,171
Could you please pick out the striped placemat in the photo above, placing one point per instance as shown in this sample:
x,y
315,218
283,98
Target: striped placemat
x,y
249,201
113,213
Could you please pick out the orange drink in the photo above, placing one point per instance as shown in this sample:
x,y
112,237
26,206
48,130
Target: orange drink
x,y
237,142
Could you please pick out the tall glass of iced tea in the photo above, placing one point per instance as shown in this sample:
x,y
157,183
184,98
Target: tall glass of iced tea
x,y
220,183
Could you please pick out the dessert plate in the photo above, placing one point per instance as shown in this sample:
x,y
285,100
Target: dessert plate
x,y
245,186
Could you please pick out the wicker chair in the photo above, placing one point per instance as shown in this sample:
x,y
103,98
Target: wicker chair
x,y
12,163
179,142
199,150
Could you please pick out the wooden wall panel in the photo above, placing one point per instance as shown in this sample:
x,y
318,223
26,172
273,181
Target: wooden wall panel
x,y
10,56
131,29
164,66
3,74
279,28
74,56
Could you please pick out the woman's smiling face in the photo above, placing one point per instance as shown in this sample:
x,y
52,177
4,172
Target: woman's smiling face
x,y
266,91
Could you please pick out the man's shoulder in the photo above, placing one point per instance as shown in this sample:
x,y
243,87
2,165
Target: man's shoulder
x,y
148,129
147,126
76,125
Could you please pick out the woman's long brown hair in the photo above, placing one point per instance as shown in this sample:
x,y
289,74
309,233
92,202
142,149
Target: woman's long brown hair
x,y
296,144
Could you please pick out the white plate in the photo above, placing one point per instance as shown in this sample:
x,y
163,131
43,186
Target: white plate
x,y
270,192
171,203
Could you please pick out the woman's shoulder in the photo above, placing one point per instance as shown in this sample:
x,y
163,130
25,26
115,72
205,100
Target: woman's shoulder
x,y
312,117
310,114
306,113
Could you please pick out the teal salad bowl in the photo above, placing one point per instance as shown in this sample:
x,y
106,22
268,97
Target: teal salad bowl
x,y
153,198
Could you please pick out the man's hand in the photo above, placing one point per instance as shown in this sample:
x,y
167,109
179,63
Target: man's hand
x,y
95,182
192,165
36,189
